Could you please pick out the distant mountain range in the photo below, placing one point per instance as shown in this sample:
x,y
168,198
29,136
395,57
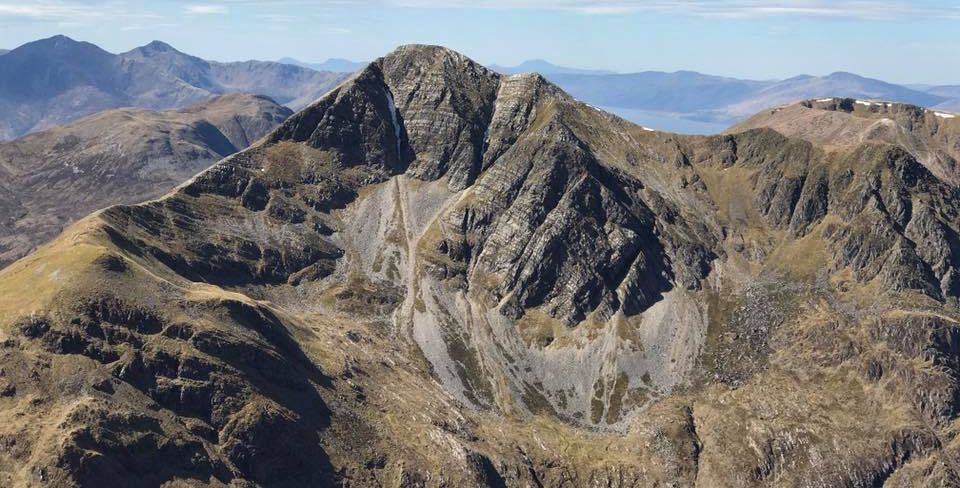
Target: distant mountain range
x,y
56,80
692,102
53,81
700,103
333,64
952,92
546,68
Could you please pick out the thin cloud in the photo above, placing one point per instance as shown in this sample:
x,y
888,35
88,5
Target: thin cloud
x,y
52,11
206,9
279,11
71,12
280,18
861,9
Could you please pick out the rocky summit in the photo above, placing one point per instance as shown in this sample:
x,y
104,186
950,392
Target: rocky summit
x,y
441,276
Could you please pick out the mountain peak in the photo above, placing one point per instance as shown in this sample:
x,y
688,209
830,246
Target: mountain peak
x,y
423,51
843,75
158,47
414,59
57,43
58,38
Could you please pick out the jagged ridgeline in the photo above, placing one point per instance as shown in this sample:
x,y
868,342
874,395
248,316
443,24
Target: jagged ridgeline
x,y
437,275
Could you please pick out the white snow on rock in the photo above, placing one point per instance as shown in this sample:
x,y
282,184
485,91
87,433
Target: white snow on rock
x,y
943,115
393,116
648,129
825,100
868,103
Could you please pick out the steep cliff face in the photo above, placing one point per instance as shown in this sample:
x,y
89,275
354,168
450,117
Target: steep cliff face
x,y
440,276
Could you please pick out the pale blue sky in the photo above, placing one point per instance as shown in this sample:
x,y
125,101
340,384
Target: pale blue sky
x,y
899,41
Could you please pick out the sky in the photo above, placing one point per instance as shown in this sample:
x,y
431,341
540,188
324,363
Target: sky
x,y
898,41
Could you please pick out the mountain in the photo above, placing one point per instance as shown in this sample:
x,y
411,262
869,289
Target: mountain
x,y
648,98
931,136
336,65
4,51
437,275
54,177
678,92
950,92
545,68
946,91
835,85
57,80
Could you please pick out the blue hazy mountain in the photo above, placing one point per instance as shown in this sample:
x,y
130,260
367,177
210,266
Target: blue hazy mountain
x,y
545,68
56,80
699,103
336,65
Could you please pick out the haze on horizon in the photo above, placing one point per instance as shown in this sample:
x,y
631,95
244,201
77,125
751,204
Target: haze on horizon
x,y
902,42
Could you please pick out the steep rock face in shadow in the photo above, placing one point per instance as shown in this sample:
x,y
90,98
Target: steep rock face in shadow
x,y
441,276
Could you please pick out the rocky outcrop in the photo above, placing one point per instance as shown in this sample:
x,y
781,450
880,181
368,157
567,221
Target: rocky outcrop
x,y
929,135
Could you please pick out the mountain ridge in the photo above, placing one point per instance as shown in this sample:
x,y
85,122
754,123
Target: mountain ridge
x,y
682,101
51,81
437,275
930,135
707,98
545,67
116,157
332,64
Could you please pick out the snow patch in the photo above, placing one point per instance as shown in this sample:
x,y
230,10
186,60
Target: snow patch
x,y
943,115
825,99
648,129
870,104
393,116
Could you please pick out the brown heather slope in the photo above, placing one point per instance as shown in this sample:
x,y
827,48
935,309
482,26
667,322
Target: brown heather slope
x,y
440,276
122,156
